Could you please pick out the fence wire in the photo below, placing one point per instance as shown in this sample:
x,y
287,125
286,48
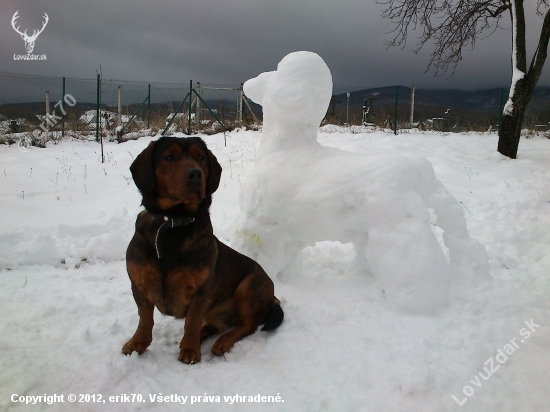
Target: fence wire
x,y
136,105
23,103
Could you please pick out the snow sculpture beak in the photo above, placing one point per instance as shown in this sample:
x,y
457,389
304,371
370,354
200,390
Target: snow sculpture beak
x,y
255,88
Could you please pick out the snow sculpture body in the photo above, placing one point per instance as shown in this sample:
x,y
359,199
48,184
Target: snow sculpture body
x,y
301,192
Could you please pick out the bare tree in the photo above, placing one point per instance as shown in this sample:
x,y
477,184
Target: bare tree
x,y
452,25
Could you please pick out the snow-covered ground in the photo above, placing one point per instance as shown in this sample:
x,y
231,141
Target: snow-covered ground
x,y
66,307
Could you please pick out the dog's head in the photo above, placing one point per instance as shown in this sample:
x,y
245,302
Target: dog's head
x,y
298,92
176,175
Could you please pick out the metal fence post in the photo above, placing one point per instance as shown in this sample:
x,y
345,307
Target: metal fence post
x,y
412,106
198,123
149,105
190,103
97,111
63,111
47,110
347,110
395,113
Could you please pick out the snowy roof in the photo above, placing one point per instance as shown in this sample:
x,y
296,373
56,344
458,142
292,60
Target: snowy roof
x,y
180,116
89,116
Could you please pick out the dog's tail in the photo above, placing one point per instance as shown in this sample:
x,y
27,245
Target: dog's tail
x,y
274,317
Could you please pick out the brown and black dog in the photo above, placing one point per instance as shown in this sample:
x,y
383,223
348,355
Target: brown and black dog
x,y
177,264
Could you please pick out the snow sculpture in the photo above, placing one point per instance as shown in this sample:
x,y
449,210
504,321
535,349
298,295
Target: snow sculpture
x,y
301,192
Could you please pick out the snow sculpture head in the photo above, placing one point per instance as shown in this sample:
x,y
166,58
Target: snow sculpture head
x,y
295,96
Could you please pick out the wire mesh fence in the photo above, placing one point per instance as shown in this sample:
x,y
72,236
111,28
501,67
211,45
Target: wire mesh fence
x,y
48,107
90,107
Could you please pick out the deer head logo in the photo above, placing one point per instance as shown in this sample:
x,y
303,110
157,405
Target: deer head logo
x,y
29,40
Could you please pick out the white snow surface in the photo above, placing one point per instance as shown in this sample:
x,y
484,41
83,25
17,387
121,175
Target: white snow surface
x,y
341,347
387,202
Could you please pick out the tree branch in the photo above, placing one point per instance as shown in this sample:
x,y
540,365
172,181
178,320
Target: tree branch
x,y
539,58
450,24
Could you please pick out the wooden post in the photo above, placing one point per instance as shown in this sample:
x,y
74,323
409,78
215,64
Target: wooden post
x,y
119,117
240,105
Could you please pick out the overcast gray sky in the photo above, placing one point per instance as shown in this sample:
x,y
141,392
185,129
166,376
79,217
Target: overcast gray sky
x,y
228,42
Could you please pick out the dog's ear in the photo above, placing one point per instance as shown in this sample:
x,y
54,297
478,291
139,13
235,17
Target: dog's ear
x,y
214,174
143,171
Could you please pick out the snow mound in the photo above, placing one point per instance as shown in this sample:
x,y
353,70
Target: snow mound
x,y
401,219
68,244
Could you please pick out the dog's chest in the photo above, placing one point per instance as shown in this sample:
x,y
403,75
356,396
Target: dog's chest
x,y
171,292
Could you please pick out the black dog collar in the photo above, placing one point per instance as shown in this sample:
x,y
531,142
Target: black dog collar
x,y
170,223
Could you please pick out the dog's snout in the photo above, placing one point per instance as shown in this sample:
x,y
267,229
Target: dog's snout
x,y
194,175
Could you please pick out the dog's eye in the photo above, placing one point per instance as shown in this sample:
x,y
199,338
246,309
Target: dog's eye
x,y
169,157
199,157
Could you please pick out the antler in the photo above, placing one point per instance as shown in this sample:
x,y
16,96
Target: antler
x,y
24,34
14,18
35,32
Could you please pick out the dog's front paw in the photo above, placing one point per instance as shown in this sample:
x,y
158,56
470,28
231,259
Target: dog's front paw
x,y
190,355
222,345
135,346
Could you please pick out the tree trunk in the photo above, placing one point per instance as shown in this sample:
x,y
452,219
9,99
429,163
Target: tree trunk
x,y
512,119
523,81
510,132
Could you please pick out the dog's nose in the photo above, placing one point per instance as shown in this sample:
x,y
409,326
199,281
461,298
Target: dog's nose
x,y
194,175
